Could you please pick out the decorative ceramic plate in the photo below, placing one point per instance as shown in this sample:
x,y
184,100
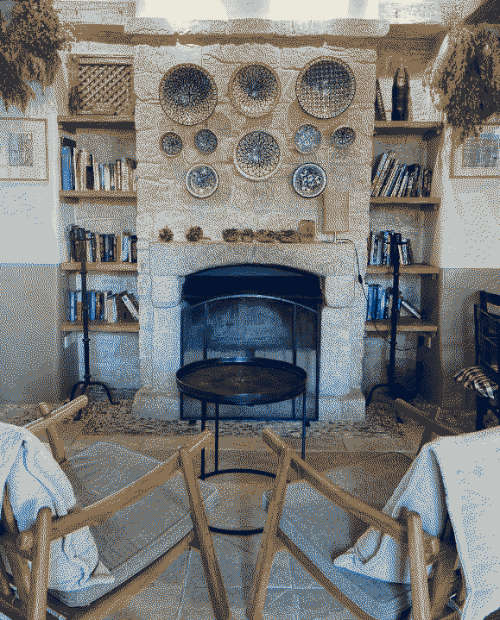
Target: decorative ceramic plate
x,y
188,94
307,139
202,181
205,141
342,137
325,87
309,180
257,155
254,89
171,144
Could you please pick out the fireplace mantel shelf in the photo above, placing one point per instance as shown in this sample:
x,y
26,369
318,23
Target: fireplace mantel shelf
x,y
178,258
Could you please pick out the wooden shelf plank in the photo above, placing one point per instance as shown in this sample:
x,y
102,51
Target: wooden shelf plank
x,y
97,122
114,196
415,269
405,324
101,267
407,127
98,326
405,202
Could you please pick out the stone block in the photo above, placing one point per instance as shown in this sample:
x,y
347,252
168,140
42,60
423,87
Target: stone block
x,y
154,404
348,407
166,291
339,291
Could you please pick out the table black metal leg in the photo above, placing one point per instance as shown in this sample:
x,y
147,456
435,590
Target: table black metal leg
x,y
216,458
303,447
203,424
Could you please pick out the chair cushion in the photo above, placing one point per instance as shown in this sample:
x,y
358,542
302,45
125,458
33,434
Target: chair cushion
x,y
475,378
322,531
138,534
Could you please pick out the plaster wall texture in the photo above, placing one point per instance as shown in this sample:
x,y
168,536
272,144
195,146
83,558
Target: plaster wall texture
x,y
239,202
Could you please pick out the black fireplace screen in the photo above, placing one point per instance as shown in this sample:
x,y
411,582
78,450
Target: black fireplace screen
x,y
249,321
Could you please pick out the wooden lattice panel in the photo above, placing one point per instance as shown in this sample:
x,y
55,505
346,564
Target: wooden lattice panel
x,y
104,85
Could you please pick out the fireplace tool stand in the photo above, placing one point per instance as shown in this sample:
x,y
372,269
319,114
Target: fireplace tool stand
x,y
81,386
396,390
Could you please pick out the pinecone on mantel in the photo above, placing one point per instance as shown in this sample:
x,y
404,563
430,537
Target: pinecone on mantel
x,y
195,233
165,234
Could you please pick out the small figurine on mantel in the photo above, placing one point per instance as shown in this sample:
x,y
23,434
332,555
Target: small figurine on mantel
x,y
400,94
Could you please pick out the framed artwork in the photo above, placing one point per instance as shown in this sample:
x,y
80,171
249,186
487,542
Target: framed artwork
x,y
23,149
478,157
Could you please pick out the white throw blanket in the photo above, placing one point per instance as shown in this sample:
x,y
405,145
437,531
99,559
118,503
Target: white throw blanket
x,y
459,476
35,480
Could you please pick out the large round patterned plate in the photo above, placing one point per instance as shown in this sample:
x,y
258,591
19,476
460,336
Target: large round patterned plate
x,y
307,139
325,87
309,180
201,180
188,94
171,144
254,89
257,155
205,141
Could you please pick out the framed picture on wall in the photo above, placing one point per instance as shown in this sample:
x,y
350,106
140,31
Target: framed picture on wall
x,y
23,149
478,157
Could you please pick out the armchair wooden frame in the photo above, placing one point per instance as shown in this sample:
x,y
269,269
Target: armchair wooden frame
x,y
423,548
33,545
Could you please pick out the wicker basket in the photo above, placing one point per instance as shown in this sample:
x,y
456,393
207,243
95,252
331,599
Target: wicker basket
x,y
102,85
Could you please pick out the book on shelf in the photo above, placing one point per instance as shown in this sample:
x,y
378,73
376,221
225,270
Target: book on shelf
x,y
379,248
104,306
81,171
102,247
394,178
130,304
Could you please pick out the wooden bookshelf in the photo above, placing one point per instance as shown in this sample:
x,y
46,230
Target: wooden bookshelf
x,y
100,326
70,123
101,267
386,201
418,269
402,128
111,196
405,324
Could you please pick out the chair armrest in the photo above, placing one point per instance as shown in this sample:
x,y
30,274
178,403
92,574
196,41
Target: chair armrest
x,y
338,496
103,509
38,426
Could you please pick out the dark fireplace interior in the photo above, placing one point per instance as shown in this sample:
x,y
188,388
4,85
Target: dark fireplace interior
x,y
253,310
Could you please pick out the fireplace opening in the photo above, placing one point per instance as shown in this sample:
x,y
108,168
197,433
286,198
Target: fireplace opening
x,y
253,310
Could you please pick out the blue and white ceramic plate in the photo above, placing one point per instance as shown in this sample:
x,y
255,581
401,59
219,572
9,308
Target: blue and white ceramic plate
x,y
257,155
309,180
171,144
205,141
342,137
201,181
307,139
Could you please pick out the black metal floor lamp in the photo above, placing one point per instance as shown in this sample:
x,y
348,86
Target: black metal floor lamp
x,y
80,387
396,390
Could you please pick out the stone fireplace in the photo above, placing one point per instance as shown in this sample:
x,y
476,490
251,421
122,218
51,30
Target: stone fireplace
x,y
239,202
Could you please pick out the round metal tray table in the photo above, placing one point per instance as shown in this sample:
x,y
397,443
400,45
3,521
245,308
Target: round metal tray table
x,y
241,381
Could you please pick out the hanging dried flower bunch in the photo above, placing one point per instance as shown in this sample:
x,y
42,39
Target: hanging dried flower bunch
x,y
465,79
29,45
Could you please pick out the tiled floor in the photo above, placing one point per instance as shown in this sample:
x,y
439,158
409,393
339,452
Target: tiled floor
x,y
180,593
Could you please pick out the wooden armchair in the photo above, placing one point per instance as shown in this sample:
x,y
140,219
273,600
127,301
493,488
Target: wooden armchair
x,y
315,517
158,515
484,376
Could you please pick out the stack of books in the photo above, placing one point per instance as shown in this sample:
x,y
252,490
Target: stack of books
x,y
81,171
393,178
102,248
379,304
379,248
104,306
